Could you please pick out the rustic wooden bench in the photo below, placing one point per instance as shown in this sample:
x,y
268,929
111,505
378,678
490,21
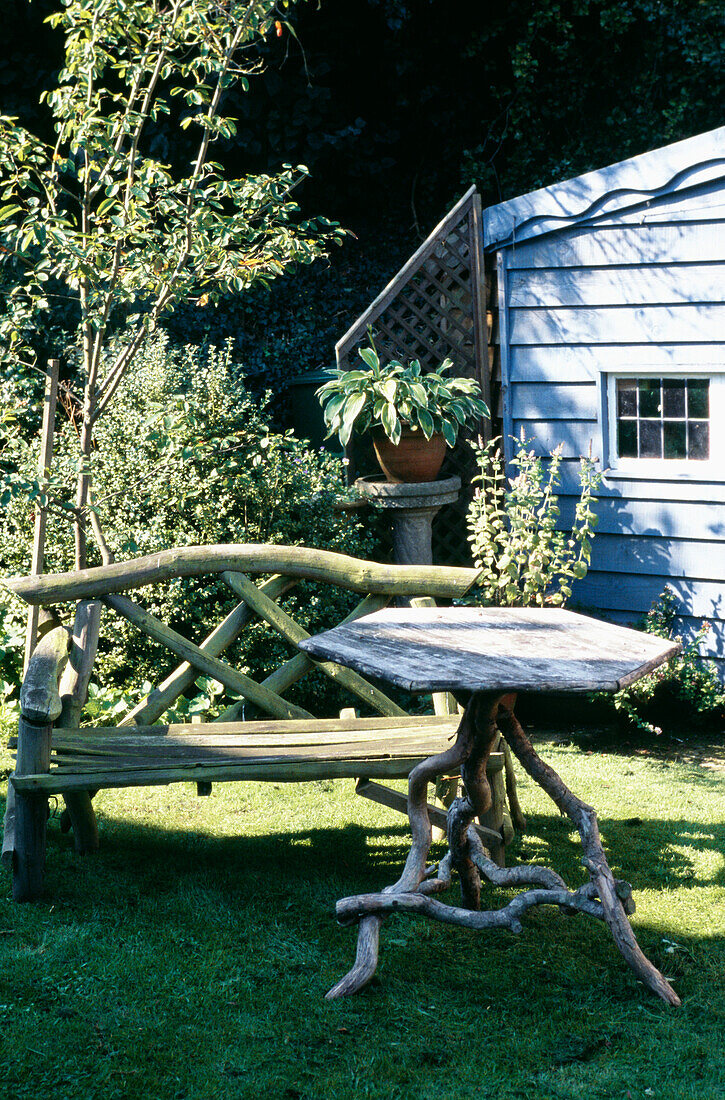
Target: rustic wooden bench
x,y
283,742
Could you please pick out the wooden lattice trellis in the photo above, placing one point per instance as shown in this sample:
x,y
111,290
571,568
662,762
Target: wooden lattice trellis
x,y
435,308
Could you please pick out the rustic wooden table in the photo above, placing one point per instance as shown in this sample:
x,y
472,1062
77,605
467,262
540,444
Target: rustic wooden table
x,y
484,656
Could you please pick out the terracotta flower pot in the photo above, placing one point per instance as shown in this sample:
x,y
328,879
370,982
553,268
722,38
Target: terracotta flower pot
x,y
415,458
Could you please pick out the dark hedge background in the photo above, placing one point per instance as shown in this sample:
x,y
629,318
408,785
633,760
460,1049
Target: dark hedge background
x,y
397,106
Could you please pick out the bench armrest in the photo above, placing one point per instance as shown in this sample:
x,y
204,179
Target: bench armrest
x,y
39,696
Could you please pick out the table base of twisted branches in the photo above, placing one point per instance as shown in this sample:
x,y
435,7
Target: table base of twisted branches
x,y
603,896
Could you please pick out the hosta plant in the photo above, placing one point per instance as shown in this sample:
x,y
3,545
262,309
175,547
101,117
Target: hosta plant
x,y
394,396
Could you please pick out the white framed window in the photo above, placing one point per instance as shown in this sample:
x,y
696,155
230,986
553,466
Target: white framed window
x,y
665,423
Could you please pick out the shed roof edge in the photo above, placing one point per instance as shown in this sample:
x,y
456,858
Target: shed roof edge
x,y
618,186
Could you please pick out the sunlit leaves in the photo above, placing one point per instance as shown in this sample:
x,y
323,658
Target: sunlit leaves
x,y
395,396
523,558
115,226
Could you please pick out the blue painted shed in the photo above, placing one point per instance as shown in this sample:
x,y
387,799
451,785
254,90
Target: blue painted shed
x,y
611,341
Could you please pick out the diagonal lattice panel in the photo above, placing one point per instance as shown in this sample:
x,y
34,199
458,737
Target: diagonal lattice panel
x,y
432,310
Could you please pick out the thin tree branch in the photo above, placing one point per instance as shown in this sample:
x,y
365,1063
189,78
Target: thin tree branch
x,y
111,383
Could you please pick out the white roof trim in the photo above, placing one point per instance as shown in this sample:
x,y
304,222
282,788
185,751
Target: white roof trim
x,y
695,160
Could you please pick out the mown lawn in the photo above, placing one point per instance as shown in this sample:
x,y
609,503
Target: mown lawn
x,y
190,959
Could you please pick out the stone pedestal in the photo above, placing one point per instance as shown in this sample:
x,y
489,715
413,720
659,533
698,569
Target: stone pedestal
x,y
413,507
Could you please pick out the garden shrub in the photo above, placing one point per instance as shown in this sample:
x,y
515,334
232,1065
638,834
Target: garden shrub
x,y
686,687
186,456
524,560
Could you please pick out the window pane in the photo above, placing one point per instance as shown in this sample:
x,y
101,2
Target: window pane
x,y
650,438
627,438
698,433
698,397
673,398
626,398
663,418
649,397
675,438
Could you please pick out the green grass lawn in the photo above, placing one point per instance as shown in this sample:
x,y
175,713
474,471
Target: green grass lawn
x,y
190,958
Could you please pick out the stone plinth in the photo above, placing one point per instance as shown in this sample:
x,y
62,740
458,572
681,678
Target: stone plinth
x,y
413,506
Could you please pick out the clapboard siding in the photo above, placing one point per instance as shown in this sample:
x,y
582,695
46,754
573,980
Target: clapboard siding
x,y
635,488
663,518
656,556
577,364
704,203
627,592
531,400
575,437
622,245
699,323
617,286
675,215
685,626
656,176
594,284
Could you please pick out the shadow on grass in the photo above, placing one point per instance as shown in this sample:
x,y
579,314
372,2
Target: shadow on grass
x,y
648,853
666,748
651,854
265,904
162,858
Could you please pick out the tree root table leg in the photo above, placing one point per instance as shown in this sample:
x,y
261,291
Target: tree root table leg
x,y
603,897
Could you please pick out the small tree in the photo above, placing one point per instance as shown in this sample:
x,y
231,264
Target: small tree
x,y
99,235
524,559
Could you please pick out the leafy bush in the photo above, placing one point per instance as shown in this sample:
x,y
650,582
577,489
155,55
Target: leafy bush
x,y
185,457
523,558
685,686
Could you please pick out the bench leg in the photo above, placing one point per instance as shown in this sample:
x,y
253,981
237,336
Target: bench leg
x,y
31,816
31,812
446,793
517,819
494,817
80,816
8,849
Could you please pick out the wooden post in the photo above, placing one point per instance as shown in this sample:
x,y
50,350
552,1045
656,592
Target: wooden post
x,y
40,706
41,513
203,786
34,612
478,304
79,813
31,811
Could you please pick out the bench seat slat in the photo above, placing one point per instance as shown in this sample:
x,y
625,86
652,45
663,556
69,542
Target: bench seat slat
x,y
163,753
403,747
170,750
278,771
282,751
78,743
287,727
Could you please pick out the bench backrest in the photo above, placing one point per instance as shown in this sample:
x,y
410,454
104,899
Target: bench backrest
x,y
282,567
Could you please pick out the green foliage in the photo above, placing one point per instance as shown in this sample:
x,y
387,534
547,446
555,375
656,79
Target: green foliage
x,y
12,644
523,558
186,457
99,237
395,396
115,227
581,84
686,687
513,97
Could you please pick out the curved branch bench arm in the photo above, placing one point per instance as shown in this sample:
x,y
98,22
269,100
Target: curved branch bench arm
x,y
40,700
293,561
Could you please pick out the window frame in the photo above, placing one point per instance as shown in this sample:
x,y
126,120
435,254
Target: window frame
x,y
709,469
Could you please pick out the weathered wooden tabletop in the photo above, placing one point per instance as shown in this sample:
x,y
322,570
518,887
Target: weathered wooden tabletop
x,y
492,649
